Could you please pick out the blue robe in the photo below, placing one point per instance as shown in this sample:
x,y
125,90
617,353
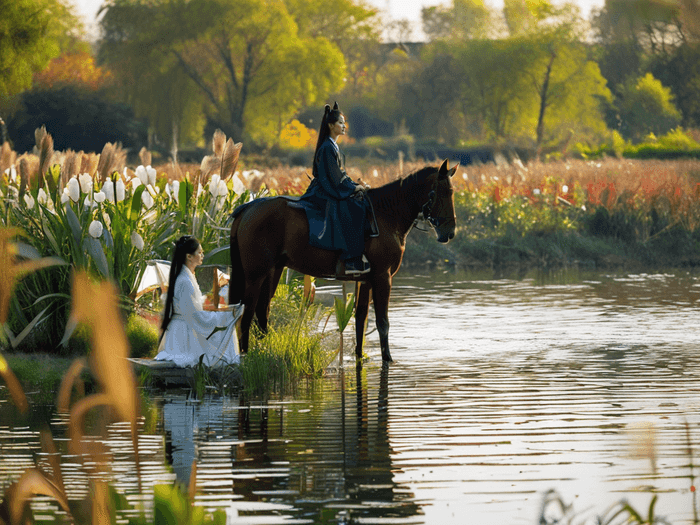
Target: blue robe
x,y
336,217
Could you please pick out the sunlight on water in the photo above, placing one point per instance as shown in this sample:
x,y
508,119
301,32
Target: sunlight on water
x,y
502,389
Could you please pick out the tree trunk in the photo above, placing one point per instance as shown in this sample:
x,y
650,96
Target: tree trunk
x,y
543,102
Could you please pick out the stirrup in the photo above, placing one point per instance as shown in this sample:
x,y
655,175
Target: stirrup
x,y
353,270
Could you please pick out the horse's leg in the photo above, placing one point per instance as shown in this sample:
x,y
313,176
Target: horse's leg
x,y
250,299
381,290
267,292
361,310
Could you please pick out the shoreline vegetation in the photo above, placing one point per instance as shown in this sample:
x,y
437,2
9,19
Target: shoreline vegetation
x,y
98,214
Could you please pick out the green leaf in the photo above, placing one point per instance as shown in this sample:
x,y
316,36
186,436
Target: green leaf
x,y
133,211
184,193
15,341
94,248
344,310
74,224
218,257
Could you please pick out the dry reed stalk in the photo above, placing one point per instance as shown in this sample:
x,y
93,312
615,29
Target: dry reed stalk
x,y
229,159
145,157
46,154
23,176
218,143
106,161
39,134
7,157
69,167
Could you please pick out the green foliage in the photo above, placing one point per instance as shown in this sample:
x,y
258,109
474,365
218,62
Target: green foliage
x,y
646,106
42,375
344,310
68,113
233,53
673,145
111,229
142,336
294,346
31,33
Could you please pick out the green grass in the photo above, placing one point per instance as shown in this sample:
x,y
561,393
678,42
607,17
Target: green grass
x,y
295,346
40,375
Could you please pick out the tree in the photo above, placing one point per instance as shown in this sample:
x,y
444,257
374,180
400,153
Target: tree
x,y
246,58
466,19
77,68
76,119
31,33
646,106
681,73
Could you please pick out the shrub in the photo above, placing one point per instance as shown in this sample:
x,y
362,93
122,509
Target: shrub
x,y
142,335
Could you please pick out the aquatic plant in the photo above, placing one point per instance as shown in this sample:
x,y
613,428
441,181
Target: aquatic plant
x,y
295,345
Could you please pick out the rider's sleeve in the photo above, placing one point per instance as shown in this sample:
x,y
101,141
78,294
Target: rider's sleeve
x,y
333,180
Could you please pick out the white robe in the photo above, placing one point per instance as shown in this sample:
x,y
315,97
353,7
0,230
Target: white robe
x,y
189,333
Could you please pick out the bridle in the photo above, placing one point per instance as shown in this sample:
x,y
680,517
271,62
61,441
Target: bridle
x,y
426,213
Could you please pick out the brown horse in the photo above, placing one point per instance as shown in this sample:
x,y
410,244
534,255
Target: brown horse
x,y
268,234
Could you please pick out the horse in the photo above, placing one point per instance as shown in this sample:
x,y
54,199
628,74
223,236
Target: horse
x,y
269,234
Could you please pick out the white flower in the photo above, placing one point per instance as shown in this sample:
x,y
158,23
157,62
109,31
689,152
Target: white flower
x,y
99,196
565,189
135,183
137,241
108,189
29,200
85,182
536,191
73,188
176,191
151,172
142,174
88,202
238,186
147,199
64,196
120,190
199,190
223,189
95,229
13,174
42,197
214,185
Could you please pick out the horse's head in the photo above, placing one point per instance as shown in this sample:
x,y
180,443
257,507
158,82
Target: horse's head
x,y
439,210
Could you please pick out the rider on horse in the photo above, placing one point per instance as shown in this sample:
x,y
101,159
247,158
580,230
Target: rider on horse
x,y
335,205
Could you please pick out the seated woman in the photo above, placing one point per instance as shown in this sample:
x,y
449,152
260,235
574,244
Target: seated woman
x,y
333,202
188,331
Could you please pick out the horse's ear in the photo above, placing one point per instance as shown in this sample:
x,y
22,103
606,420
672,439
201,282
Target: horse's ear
x,y
445,170
335,106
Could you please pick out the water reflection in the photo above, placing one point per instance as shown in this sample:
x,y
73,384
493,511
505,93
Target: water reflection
x,y
502,389
329,458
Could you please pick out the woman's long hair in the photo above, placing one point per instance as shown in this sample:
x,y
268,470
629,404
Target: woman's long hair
x,y
330,116
184,245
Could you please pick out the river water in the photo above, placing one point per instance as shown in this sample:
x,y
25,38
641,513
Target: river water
x,y
502,390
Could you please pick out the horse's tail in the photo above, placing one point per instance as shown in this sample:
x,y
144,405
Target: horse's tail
x,y
236,286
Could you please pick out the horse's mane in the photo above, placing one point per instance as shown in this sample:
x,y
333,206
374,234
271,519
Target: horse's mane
x,y
392,195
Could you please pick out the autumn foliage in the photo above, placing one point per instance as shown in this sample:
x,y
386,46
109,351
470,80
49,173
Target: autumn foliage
x,y
76,68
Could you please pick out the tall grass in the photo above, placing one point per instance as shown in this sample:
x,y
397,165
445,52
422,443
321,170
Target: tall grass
x,y
296,344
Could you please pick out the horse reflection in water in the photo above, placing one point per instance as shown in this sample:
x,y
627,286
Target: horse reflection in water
x,y
329,457
268,235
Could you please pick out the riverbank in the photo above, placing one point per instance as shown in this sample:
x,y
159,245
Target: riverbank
x,y
553,250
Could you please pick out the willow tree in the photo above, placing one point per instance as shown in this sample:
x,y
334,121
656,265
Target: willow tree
x,y
246,61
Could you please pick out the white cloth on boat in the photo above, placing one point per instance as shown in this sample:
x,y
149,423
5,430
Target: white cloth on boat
x,y
194,332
